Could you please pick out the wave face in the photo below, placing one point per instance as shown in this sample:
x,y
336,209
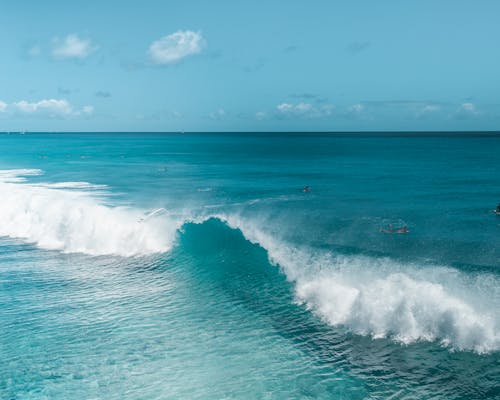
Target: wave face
x,y
382,298
70,217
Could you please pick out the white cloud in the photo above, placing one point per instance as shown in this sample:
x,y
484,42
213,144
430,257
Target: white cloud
x,y
304,110
356,108
358,111
72,47
45,107
430,108
219,114
260,115
88,109
60,107
467,110
301,108
174,47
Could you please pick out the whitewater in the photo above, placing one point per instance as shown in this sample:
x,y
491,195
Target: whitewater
x,y
377,297
316,263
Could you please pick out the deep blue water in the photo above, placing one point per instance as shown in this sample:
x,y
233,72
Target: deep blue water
x,y
243,285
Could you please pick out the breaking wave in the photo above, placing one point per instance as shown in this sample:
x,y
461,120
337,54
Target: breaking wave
x,y
372,296
68,217
382,298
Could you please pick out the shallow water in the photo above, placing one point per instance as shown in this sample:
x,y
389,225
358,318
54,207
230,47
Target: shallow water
x,y
248,287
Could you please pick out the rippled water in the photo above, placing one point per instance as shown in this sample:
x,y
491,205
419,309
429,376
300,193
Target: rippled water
x,y
246,287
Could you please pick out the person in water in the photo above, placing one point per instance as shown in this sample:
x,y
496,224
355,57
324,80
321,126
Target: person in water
x,y
497,210
306,189
390,229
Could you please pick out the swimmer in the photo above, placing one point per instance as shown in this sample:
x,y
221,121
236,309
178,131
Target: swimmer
x,y
390,229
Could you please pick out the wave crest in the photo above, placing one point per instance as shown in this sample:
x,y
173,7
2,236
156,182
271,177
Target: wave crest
x,y
383,298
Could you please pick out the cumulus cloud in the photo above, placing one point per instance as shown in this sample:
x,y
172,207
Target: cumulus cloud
x,y
88,109
357,111
176,46
428,110
399,108
304,110
356,108
467,110
72,47
218,115
52,106
46,107
260,115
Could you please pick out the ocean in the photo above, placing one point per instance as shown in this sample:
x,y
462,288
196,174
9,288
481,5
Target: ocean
x,y
199,266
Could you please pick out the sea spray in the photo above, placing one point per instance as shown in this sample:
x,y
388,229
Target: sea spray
x,y
381,297
56,218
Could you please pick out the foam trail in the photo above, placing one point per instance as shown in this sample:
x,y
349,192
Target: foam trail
x,y
56,218
17,175
72,185
383,298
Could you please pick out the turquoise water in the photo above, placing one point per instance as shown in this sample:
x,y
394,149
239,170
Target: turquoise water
x,y
245,286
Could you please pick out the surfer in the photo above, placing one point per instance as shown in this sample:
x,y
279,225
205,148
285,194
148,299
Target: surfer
x,y
390,229
497,210
306,189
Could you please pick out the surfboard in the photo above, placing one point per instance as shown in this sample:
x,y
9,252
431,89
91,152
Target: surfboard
x,y
155,212
394,231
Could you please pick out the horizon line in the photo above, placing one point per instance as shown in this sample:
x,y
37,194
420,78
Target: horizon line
x,y
180,132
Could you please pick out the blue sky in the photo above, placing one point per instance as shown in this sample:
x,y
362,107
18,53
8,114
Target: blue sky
x,y
250,66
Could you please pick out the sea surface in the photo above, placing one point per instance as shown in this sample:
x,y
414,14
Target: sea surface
x,y
195,266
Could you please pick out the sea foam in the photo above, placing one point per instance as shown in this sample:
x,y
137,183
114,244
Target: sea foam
x,y
383,298
68,217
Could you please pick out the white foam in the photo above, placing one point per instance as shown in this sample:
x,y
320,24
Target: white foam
x,y
383,298
73,185
56,218
17,175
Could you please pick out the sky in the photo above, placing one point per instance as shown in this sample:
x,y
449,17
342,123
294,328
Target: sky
x,y
168,66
